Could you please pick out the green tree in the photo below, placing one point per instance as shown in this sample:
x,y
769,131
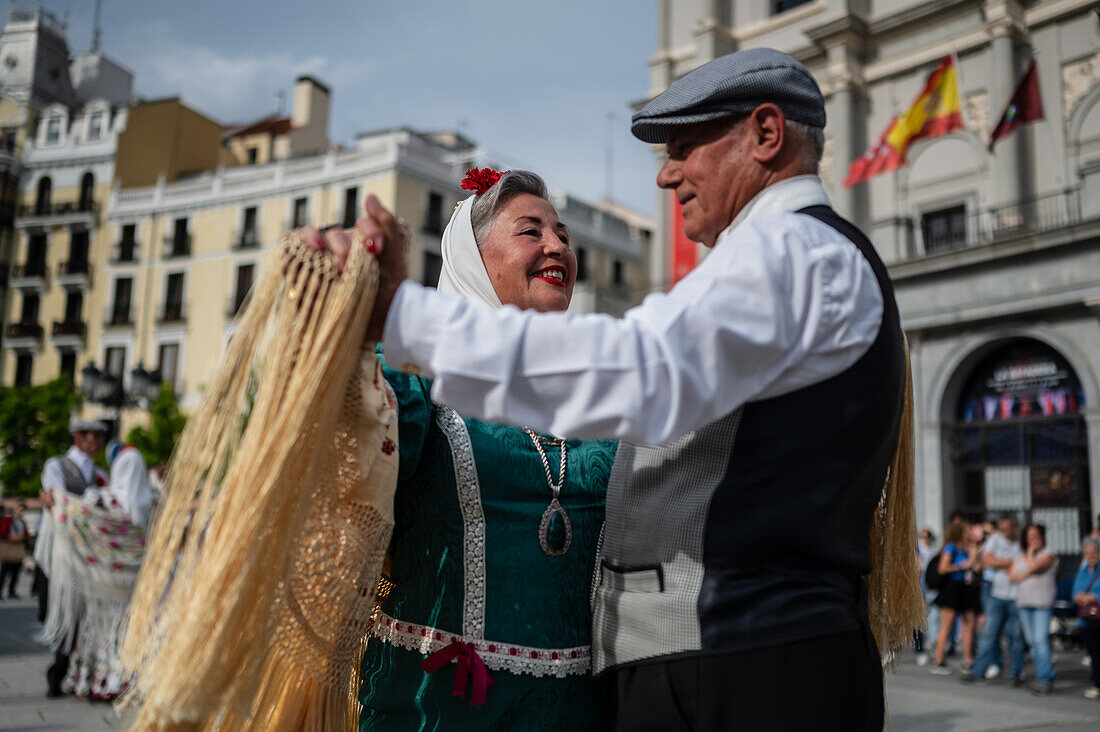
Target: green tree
x,y
34,426
165,424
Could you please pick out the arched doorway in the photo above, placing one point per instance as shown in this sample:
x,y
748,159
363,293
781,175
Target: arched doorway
x,y
1016,441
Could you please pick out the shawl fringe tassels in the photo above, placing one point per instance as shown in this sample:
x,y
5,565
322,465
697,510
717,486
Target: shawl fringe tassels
x,y
895,602
252,607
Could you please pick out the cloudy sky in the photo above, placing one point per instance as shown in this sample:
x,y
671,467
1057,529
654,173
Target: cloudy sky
x,y
534,81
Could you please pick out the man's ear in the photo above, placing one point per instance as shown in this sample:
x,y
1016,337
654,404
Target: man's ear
x,y
768,126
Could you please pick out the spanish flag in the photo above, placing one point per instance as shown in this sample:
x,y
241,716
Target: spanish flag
x,y
935,111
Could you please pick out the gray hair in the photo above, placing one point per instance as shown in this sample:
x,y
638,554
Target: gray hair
x,y
1089,541
510,185
809,139
812,145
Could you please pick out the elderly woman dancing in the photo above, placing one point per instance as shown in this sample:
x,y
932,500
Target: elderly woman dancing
x,y
487,623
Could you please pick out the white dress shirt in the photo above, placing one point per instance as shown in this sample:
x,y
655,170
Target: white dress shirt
x,y
782,302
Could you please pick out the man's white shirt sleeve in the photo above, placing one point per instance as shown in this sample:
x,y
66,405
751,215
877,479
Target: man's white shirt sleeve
x,y
782,302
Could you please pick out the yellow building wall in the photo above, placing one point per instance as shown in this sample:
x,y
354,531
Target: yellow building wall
x,y
210,275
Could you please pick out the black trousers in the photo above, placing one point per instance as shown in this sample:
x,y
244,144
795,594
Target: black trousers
x,y
42,589
828,683
9,572
1090,634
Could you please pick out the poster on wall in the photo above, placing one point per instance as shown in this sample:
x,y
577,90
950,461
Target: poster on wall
x,y
1019,382
1054,485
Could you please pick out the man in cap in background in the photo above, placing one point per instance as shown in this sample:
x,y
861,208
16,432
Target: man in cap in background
x,y
771,380
72,473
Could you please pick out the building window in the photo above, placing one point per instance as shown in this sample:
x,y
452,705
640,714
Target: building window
x,y
782,6
68,365
617,277
95,126
299,213
245,275
173,298
252,152
36,256
87,191
180,245
24,364
7,141
74,306
433,219
351,206
78,252
31,303
168,359
120,306
433,265
944,229
114,359
249,237
127,245
53,130
42,197
582,264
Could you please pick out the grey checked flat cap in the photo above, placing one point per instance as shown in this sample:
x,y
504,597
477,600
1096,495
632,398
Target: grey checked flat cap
x,y
734,84
86,425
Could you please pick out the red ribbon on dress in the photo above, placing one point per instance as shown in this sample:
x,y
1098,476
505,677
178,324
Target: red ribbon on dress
x,y
470,666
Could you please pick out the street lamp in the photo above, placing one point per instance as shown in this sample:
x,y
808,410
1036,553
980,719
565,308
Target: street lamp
x,y
103,387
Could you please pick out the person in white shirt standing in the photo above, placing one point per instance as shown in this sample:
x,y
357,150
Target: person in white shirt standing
x,y
72,473
1001,550
760,399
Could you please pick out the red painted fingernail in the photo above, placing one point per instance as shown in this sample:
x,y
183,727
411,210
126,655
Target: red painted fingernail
x,y
372,247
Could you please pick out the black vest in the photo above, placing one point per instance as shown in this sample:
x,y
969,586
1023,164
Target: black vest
x,y
787,537
753,530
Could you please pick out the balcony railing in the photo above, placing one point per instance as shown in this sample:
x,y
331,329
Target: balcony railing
x,y
67,208
1027,217
24,330
31,269
68,328
236,305
173,312
247,239
119,316
177,246
434,223
73,267
125,251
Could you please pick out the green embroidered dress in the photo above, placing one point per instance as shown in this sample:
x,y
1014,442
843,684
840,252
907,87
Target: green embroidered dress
x,y
467,564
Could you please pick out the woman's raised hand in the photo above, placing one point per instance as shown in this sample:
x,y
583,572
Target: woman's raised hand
x,y
385,238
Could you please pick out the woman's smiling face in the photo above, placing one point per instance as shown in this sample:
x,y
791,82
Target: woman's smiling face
x,y
528,257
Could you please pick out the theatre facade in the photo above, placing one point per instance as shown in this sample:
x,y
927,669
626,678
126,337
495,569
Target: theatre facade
x,y
995,254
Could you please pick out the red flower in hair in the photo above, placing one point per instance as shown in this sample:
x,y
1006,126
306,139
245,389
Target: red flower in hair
x,y
481,180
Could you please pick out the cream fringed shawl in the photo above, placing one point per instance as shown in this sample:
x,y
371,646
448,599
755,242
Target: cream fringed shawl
x,y
253,605
894,601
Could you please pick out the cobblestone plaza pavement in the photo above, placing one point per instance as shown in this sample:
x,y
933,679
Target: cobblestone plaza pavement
x,y
917,700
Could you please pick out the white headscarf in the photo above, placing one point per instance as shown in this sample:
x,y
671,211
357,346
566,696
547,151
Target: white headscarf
x,y
463,272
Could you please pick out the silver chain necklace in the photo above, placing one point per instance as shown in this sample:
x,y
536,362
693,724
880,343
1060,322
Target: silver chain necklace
x,y
555,506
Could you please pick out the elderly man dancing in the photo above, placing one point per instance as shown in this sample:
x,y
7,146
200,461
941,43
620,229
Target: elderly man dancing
x,y
760,404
